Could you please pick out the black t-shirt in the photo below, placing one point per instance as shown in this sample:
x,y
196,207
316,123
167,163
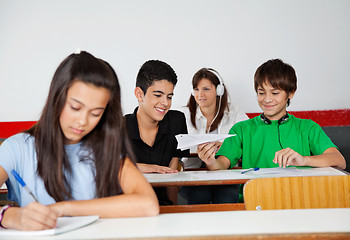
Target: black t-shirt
x,y
165,144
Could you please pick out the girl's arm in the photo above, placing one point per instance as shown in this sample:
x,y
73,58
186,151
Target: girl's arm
x,y
34,216
174,163
138,199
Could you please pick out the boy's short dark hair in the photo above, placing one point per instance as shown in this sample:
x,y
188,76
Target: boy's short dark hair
x,y
154,70
278,74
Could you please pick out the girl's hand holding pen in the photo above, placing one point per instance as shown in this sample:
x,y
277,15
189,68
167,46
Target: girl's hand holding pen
x,y
34,216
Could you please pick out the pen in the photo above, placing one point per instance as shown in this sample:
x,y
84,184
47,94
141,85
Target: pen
x,y
20,180
251,169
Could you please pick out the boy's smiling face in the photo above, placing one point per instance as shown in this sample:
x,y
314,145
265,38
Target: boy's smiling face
x,y
157,100
273,101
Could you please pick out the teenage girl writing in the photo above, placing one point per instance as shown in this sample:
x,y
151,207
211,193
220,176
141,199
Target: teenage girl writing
x,y
76,159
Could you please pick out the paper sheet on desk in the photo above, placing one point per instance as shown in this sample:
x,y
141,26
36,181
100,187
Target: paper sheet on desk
x,y
64,224
186,141
237,173
294,172
290,171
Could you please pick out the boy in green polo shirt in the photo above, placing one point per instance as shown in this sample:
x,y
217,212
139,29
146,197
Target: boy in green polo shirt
x,y
275,138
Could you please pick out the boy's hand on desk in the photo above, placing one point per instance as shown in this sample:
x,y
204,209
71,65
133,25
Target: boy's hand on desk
x,y
206,152
152,168
287,157
34,216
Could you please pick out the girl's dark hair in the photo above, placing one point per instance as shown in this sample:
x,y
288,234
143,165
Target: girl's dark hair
x,y
107,144
192,105
277,74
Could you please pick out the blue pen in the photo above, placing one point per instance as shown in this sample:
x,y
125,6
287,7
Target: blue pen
x,y
20,180
251,169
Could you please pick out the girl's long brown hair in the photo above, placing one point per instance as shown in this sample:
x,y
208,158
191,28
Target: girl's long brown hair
x,y
192,105
107,144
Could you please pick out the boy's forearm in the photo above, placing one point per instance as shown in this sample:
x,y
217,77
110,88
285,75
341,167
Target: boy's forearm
x,y
221,163
327,159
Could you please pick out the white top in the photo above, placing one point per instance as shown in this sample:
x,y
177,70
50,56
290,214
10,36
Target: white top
x,y
231,116
331,220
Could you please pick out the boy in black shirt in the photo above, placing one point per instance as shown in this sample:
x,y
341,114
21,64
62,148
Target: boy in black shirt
x,y
152,127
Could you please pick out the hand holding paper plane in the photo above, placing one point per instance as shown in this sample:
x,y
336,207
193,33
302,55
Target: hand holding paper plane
x,y
185,141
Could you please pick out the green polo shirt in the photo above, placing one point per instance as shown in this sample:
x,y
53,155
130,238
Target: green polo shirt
x,y
257,142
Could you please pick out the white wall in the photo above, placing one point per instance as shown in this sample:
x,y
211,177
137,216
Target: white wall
x,y
231,36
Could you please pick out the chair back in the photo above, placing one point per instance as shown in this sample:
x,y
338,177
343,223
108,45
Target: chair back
x,y
297,192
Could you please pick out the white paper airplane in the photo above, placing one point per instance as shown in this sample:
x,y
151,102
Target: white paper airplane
x,y
186,141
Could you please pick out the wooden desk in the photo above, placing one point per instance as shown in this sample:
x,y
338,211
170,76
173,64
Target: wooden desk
x,y
212,207
273,224
222,177
234,176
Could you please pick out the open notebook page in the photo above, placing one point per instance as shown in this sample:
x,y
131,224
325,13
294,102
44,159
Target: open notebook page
x,y
64,224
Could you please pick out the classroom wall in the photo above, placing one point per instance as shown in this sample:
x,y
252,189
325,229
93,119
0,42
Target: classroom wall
x,y
231,36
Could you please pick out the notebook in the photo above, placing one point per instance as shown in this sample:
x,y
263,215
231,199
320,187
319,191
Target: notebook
x,y
64,224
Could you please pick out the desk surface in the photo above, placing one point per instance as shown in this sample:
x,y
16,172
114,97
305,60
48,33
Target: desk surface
x,y
284,223
233,176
